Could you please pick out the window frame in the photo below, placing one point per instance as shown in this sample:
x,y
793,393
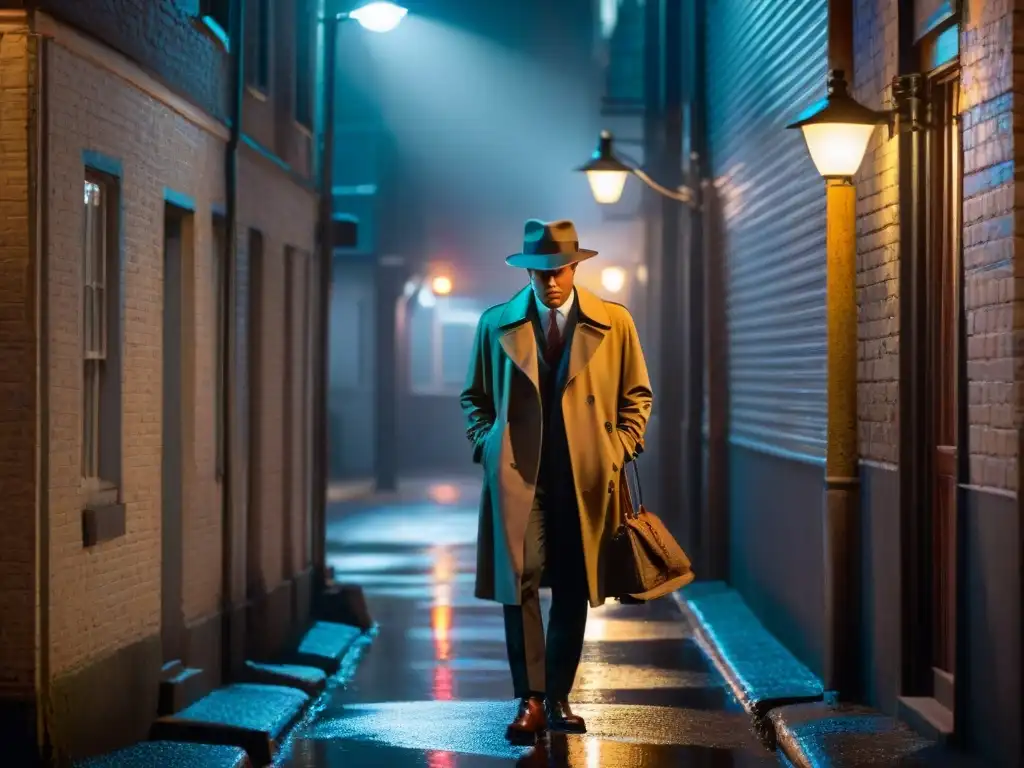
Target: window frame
x,y
101,419
259,35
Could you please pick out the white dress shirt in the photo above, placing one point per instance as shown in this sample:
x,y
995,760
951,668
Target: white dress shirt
x,y
561,314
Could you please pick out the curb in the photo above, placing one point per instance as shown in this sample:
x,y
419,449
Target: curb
x,y
792,713
759,670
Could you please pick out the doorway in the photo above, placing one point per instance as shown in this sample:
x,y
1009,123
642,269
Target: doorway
x,y
943,270
177,223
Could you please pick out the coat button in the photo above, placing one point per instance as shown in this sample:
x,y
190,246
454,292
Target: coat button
x,y
608,427
611,486
590,399
513,465
615,467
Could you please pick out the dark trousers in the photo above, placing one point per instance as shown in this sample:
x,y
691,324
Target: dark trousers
x,y
553,545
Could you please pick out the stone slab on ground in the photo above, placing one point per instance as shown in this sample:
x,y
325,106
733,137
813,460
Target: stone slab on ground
x,y
253,716
820,735
324,646
760,670
311,680
170,754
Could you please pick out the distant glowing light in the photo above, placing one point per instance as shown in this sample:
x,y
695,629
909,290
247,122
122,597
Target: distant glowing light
x,y
441,285
613,279
379,16
641,274
426,298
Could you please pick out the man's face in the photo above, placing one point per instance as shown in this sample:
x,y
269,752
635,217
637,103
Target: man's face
x,y
553,286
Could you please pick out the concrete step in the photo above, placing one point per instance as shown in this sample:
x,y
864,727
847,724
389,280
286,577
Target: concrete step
x,y
252,716
943,688
820,735
927,717
311,680
170,753
325,645
180,689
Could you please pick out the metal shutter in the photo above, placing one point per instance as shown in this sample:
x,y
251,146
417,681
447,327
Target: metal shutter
x,y
765,62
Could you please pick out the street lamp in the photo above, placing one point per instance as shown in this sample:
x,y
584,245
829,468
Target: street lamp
x,y
378,16
837,131
607,174
441,285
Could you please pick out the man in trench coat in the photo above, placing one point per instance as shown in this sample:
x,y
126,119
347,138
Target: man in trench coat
x,y
557,400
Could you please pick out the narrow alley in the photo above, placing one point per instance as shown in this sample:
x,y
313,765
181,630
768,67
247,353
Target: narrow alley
x,y
433,689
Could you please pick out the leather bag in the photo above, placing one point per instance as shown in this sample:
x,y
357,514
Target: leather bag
x,y
645,561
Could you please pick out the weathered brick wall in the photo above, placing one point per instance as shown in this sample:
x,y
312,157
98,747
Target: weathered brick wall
x,y
285,213
875,62
162,36
108,596
990,266
18,399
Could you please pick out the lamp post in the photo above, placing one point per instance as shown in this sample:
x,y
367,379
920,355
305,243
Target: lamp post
x,y
837,131
376,17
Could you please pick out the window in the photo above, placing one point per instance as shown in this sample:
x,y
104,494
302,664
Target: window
x,y
257,36
441,339
101,423
305,62
219,276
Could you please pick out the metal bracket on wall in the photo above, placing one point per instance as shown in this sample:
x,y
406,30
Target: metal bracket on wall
x,y
909,104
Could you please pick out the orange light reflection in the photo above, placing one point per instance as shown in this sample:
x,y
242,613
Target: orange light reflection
x,y
441,760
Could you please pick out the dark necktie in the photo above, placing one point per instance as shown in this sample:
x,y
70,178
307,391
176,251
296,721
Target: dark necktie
x,y
553,346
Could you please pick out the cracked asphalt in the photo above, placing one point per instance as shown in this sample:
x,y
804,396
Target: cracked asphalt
x,y
433,687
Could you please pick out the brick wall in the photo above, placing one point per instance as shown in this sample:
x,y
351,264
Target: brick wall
x,y
993,316
162,36
875,52
108,596
18,399
285,212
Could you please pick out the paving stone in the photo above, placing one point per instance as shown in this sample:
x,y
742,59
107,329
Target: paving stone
x,y
311,680
325,645
249,715
761,671
817,735
170,754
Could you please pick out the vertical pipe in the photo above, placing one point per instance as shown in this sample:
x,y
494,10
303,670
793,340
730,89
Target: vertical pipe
x,y
326,258
39,155
228,297
841,460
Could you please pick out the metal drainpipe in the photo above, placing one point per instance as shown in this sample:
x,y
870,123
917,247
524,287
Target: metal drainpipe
x,y
326,257
228,340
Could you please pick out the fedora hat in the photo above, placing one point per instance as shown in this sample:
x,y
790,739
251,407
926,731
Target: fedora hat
x,y
549,245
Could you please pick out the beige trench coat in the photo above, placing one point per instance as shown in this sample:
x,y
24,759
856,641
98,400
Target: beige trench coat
x,y
606,403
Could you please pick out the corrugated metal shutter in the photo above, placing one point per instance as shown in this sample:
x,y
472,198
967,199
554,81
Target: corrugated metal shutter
x,y
766,61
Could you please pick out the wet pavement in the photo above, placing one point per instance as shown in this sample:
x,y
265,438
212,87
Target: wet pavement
x,y
433,688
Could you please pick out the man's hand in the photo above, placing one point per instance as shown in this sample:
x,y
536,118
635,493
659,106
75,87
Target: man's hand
x,y
635,395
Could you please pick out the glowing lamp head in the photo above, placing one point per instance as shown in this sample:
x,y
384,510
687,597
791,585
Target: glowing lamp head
x,y
837,130
379,16
613,279
605,172
441,285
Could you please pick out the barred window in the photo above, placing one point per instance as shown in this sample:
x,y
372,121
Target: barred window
x,y
94,319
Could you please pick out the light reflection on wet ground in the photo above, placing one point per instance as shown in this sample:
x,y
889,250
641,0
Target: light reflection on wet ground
x,y
433,688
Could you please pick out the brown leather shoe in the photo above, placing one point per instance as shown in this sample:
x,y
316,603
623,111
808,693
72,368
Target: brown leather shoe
x,y
561,718
529,721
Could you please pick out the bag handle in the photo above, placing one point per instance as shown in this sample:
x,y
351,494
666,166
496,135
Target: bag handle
x,y
634,509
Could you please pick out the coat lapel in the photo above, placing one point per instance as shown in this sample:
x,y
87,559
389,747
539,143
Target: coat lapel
x,y
518,337
591,326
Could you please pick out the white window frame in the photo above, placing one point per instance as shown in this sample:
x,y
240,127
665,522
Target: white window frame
x,y
95,319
